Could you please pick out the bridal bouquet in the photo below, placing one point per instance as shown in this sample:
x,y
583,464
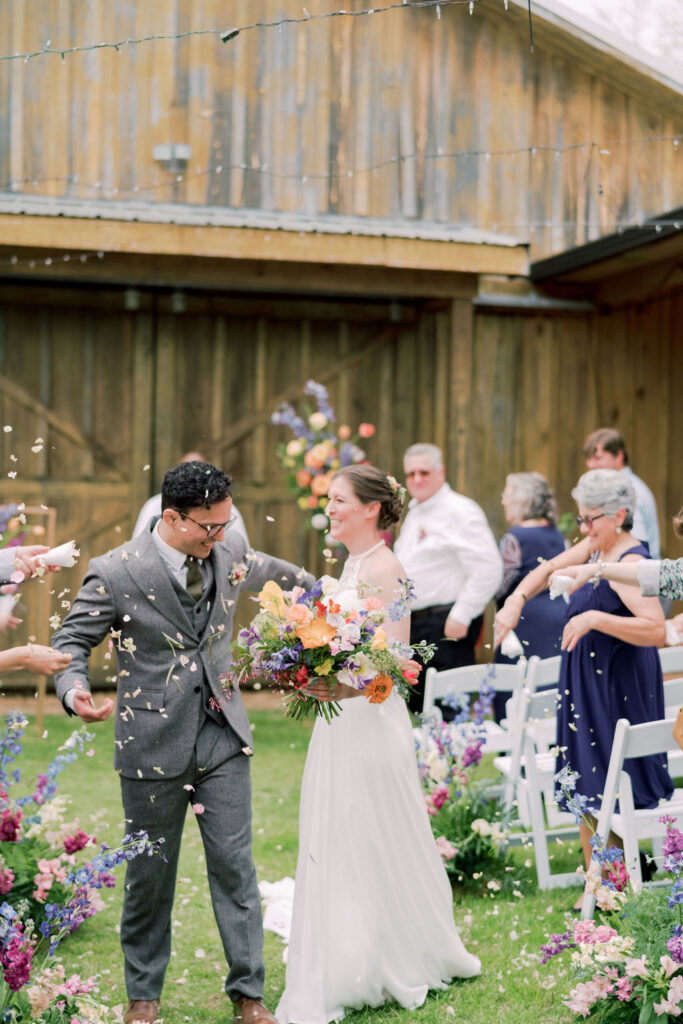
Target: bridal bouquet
x,y
327,634
316,451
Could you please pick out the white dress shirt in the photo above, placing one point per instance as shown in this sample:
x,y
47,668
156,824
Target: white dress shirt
x,y
645,521
447,549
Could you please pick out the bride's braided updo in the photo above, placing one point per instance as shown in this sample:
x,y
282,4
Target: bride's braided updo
x,y
371,484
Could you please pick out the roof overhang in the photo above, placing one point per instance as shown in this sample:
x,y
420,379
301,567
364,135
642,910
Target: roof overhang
x,y
172,245
629,266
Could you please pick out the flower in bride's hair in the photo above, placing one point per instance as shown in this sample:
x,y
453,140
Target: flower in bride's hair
x,y
316,633
378,689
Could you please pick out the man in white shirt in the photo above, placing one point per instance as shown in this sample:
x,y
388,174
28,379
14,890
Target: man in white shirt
x,y
449,552
605,449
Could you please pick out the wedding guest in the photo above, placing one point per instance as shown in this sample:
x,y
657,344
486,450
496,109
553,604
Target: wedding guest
x,y
169,597
610,664
33,658
152,507
606,449
530,509
23,559
449,552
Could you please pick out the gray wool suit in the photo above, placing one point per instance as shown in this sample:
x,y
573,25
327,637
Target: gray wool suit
x,y
173,745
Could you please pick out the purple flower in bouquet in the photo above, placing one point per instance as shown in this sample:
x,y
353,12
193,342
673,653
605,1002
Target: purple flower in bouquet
x,y
556,944
675,944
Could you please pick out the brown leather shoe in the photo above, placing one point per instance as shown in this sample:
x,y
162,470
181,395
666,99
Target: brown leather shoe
x,y
251,1011
141,1011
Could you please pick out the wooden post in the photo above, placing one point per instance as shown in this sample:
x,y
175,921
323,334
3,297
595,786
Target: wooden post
x,y
462,340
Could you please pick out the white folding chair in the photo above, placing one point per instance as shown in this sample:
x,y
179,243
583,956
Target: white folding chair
x,y
466,680
671,660
540,672
673,700
632,824
547,820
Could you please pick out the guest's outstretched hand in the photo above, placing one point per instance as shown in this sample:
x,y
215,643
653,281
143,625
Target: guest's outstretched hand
x,y
507,617
579,574
27,560
45,660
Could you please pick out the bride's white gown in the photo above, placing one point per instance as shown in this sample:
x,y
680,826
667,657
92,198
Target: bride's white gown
x,y
373,913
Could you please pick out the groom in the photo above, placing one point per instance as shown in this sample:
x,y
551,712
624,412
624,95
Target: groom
x,y
167,599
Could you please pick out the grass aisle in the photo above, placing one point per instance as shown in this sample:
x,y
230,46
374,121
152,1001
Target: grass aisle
x,y
505,933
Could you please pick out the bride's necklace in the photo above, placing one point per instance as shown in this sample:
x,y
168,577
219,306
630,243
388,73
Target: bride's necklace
x,y
364,554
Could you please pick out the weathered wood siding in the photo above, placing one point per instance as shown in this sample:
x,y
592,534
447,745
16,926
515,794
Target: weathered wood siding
x,y
117,397
292,119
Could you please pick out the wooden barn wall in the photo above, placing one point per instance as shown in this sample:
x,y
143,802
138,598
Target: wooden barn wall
x,y
540,384
116,397
326,101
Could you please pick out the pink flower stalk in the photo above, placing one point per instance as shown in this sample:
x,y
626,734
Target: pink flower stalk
x,y
624,989
10,825
78,841
6,880
16,962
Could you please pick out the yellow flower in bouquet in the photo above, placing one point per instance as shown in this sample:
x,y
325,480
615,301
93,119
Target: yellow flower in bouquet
x,y
271,599
379,640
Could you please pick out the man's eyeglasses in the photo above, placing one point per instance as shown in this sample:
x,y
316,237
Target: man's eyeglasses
x,y
588,521
419,472
212,529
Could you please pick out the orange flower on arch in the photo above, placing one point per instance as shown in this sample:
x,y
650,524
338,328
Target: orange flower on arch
x,y
378,689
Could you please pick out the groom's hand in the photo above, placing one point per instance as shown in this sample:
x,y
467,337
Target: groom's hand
x,y
85,709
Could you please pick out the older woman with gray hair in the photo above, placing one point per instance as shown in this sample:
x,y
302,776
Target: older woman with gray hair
x,y
529,506
610,666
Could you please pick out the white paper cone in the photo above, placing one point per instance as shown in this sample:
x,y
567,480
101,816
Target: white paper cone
x,y
558,585
511,647
65,555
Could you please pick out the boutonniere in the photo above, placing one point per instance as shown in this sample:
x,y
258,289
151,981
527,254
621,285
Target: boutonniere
x,y
237,573
422,533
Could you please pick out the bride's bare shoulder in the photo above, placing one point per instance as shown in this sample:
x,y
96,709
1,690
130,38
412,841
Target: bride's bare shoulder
x,y
384,571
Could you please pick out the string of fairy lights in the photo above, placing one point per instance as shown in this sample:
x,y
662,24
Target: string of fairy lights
x,y
228,34
74,186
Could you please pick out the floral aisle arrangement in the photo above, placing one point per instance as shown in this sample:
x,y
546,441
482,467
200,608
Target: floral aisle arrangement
x,y
48,888
467,820
629,966
316,452
327,634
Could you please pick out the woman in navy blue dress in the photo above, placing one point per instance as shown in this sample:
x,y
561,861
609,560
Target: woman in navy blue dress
x,y
529,507
610,666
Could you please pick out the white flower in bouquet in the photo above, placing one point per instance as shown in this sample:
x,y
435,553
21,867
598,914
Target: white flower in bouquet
x,y
317,421
437,766
295,447
330,586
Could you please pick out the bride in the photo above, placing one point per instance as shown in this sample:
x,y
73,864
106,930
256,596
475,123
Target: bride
x,y
373,911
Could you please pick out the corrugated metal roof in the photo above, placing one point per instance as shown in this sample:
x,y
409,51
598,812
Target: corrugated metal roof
x,y
222,217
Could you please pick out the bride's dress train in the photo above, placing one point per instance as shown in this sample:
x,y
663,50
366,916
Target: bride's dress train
x,y
373,913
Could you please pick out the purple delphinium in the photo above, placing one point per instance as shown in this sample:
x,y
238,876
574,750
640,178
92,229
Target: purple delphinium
x,y
556,944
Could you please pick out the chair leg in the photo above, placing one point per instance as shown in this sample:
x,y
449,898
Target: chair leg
x,y
535,805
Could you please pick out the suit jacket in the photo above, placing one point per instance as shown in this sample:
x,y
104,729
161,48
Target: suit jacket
x,y
128,594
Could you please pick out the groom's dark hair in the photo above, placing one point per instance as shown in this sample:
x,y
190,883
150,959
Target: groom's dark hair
x,y
194,485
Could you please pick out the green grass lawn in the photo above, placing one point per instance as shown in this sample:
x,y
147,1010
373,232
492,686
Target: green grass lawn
x,y
503,931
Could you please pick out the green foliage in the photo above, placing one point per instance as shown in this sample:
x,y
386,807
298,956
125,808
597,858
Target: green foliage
x,y
482,855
